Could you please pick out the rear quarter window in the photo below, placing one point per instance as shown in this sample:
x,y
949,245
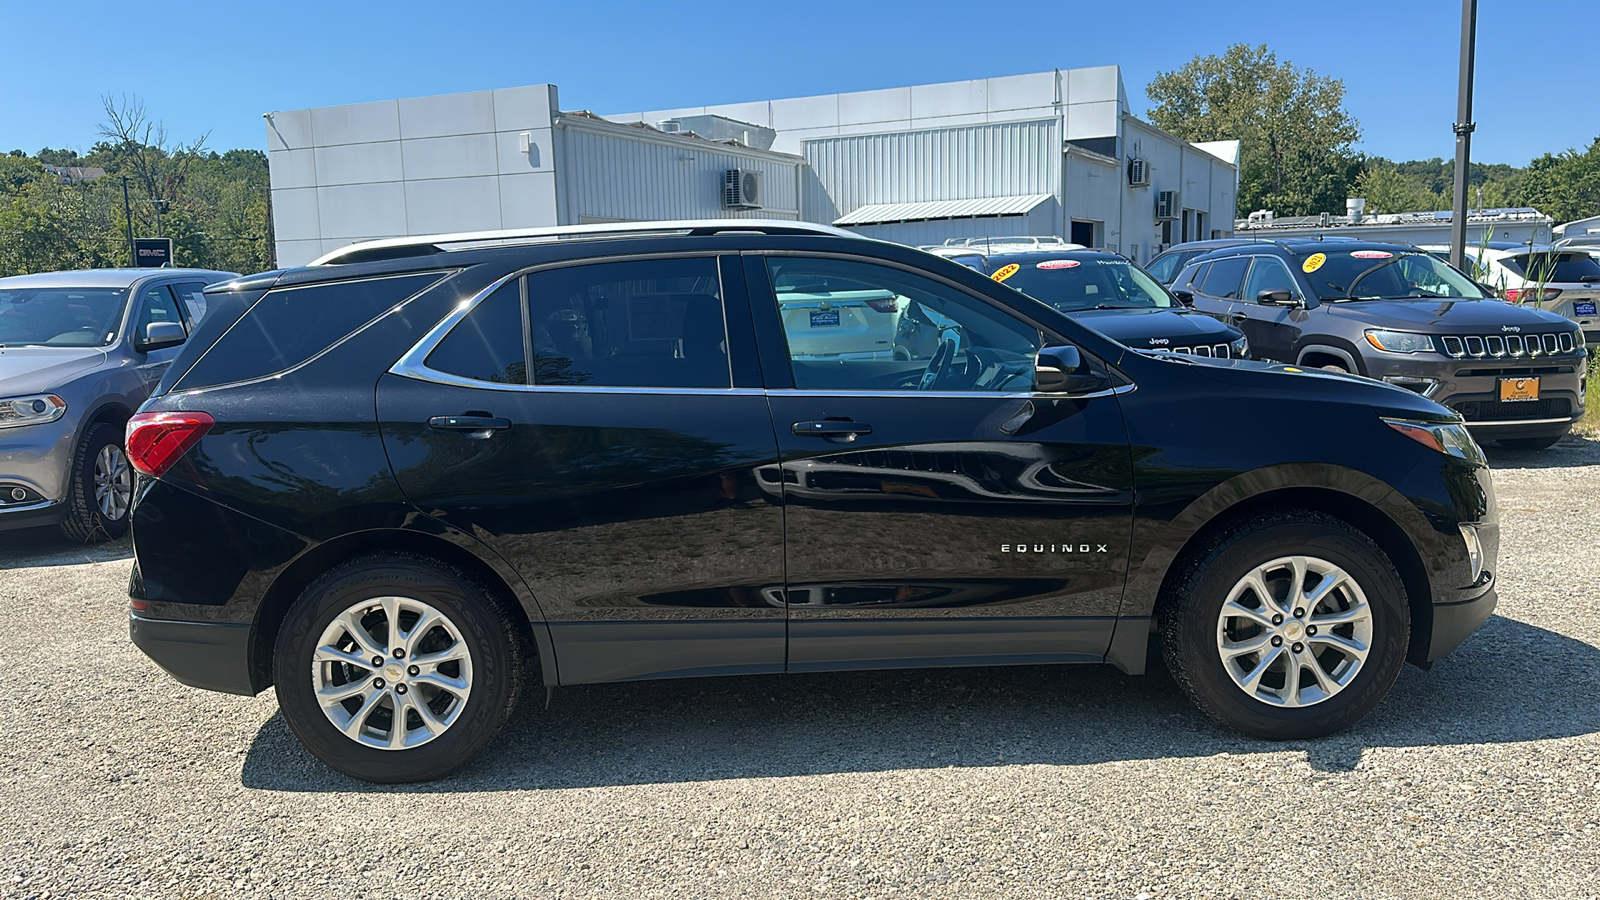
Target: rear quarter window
x,y
290,325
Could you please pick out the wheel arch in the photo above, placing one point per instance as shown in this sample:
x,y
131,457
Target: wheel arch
x,y
293,579
1366,503
1344,355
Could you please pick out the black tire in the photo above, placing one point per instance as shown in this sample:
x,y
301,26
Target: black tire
x,y
83,521
1538,443
1191,608
1333,368
499,649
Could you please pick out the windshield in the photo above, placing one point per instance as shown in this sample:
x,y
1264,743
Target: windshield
x,y
1089,282
1338,275
60,317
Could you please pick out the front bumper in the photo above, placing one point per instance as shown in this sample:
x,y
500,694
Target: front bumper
x,y
1471,387
36,458
1452,622
214,656
30,515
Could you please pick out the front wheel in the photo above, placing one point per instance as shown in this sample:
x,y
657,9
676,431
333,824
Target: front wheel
x,y
393,668
1290,625
100,488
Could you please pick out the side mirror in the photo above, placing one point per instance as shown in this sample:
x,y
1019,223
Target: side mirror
x,y
1061,370
161,334
1184,297
1276,298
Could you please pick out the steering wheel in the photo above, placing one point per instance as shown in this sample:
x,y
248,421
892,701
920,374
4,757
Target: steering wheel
x,y
939,364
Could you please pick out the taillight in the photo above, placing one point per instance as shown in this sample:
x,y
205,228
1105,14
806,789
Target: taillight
x,y
1531,295
890,305
157,440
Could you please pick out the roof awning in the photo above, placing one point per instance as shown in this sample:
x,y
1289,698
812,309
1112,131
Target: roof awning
x,y
883,213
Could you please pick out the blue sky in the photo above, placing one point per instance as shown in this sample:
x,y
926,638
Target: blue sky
x,y
215,67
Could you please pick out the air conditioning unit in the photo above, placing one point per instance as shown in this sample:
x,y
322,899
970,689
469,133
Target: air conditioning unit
x,y
1138,172
741,189
1166,205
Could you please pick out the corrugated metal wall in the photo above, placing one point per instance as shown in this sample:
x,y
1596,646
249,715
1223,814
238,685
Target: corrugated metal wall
x,y
1043,220
612,176
958,163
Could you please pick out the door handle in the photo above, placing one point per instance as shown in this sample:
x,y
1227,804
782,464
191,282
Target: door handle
x,y
832,429
472,426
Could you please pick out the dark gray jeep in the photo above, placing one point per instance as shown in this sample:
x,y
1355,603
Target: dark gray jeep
x,y
1401,315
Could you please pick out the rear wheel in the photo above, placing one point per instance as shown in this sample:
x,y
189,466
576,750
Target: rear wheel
x,y
1290,625
100,489
1538,443
393,668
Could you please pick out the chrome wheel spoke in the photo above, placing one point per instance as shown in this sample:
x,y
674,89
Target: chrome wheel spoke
x,y
1235,649
421,627
1232,607
338,692
1353,614
335,655
1324,680
397,730
1325,588
457,686
455,651
352,728
1291,679
1252,681
1351,649
391,611
351,622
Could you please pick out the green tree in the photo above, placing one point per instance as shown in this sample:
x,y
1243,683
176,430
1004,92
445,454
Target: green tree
x,y
1295,136
1565,186
1387,190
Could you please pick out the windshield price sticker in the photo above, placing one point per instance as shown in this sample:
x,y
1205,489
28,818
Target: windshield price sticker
x,y
1006,272
1058,264
1313,262
1370,254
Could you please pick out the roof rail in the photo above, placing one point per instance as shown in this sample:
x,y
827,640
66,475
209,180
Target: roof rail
x,y
425,245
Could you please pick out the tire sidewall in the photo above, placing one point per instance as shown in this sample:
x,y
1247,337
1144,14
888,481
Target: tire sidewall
x,y
1358,557
85,522
493,669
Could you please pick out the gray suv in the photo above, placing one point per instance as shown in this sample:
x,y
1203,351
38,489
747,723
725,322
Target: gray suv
x,y
79,351
1397,313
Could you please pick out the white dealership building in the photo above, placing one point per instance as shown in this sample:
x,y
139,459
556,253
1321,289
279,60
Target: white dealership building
x,y
1047,153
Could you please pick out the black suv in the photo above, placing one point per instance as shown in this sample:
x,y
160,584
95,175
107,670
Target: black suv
x,y
1401,315
1114,297
411,481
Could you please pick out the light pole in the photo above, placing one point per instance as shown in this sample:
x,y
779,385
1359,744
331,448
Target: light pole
x,y
1463,129
127,216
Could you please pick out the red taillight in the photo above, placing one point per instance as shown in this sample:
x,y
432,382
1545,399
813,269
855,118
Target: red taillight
x,y
1531,295
890,305
157,440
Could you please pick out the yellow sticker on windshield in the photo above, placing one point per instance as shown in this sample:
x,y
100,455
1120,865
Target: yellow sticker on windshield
x,y
1313,262
1006,272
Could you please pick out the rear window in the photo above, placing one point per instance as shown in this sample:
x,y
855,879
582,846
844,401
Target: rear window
x,y
1561,268
290,325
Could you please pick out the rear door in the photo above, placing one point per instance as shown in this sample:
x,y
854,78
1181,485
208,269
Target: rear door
x,y
938,511
1218,294
626,473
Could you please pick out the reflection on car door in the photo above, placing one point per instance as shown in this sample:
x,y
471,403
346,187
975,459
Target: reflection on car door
x,y
937,510
1218,295
618,473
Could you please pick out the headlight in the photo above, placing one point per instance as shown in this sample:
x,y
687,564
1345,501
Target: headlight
x,y
1449,437
1240,348
1399,341
33,410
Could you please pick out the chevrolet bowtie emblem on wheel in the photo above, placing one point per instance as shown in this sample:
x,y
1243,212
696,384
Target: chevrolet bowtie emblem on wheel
x,y
1053,548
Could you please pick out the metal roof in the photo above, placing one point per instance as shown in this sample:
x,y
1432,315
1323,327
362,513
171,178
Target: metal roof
x,y
880,213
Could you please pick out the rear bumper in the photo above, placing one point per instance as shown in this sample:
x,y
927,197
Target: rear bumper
x,y
1452,622
209,655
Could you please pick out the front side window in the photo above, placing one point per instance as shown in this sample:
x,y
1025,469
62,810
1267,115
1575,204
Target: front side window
x,y
1089,281
1367,274
640,323
156,304
861,326
1268,274
60,317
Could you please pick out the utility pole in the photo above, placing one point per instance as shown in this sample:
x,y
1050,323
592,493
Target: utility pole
x,y
127,214
1463,129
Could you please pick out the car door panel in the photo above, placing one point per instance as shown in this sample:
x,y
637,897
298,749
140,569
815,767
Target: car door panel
x,y
636,515
949,527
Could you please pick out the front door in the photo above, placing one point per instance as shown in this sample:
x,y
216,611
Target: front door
x,y
156,303
939,511
620,473
1274,331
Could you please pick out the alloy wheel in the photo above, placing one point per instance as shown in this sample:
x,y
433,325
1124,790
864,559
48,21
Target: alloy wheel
x,y
392,673
1294,631
113,482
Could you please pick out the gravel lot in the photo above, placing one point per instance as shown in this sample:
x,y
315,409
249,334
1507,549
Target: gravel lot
x,y
1480,778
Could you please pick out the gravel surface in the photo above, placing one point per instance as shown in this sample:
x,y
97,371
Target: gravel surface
x,y
1480,778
